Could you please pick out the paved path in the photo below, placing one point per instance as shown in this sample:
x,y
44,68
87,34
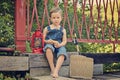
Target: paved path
x,y
51,78
102,77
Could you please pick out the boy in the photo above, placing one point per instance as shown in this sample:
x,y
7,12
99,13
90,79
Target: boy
x,y
55,41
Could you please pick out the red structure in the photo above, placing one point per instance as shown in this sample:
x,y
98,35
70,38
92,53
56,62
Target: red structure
x,y
87,25
20,25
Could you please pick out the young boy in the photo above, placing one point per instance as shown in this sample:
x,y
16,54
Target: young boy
x,y
55,41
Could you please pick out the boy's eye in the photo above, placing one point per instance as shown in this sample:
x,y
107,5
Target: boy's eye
x,y
53,17
58,17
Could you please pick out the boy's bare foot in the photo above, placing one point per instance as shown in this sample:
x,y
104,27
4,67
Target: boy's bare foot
x,y
55,74
51,73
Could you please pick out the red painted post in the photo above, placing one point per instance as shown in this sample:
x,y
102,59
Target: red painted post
x,y
20,24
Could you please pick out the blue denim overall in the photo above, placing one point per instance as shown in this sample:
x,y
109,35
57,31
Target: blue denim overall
x,y
55,34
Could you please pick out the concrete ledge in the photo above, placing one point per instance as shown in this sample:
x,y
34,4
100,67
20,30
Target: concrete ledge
x,y
98,69
39,65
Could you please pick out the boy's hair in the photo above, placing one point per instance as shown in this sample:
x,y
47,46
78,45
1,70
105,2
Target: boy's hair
x,y
55,10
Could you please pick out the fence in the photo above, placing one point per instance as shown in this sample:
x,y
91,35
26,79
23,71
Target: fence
x,y
94,21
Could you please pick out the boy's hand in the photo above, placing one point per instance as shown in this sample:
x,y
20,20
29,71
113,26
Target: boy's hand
x,y
56,44
50,41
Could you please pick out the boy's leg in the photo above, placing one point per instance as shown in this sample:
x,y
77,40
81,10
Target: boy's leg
x,y
49,56
58,65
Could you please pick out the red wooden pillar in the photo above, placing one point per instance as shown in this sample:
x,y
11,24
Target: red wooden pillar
x,y
20,24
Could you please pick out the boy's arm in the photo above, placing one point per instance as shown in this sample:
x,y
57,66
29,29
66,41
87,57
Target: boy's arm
x,y
44,37
64,39
44,34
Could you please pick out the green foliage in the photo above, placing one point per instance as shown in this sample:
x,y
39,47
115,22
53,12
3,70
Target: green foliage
x,y
90,47
96,48
4,77
6,23
9,78
27,76
28,48
1,76
111,67
70,47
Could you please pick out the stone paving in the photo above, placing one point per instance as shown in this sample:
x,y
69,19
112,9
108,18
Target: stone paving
x,y
98,77
51,78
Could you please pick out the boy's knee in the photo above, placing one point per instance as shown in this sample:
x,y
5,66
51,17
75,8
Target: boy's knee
x,y
62,55
48,50
48,47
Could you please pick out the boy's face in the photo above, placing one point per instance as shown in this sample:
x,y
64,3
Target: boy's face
x,y
56,18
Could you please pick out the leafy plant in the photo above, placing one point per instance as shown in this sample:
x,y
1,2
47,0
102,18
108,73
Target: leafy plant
x,y
6,23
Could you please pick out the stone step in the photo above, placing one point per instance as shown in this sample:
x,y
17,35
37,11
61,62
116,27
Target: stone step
x,y
51,78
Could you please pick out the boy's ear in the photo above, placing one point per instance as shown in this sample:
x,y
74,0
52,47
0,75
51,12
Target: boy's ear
x,y
49,18
61,17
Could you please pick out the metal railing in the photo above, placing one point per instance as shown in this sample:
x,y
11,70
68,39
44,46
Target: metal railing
x,y
98,24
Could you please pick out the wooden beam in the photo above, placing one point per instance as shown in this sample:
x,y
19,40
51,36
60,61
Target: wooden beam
x,y
14,63
4,49
101,58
